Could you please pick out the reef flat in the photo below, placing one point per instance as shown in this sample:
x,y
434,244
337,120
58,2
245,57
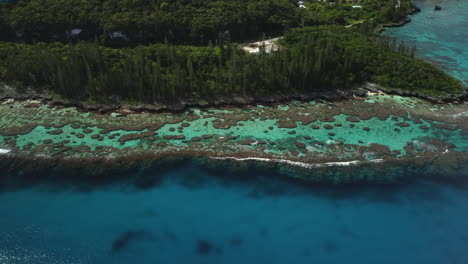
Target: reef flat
x,y
314,141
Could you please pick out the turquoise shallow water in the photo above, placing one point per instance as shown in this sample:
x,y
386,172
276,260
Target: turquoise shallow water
x,y
192,217
382,133
440,36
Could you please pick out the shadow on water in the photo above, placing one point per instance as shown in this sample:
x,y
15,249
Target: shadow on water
x,y
204,247
236,242
330,247
130,236
347,232
258,182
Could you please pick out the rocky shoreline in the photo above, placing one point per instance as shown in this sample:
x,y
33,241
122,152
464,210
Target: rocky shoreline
x,y
180,105
401,23
224,101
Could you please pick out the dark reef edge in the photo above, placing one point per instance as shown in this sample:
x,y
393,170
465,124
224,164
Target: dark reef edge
x,y
226,101
148,170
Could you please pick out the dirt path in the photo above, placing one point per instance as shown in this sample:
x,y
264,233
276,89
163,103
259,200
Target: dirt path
x,y
355,23
271,44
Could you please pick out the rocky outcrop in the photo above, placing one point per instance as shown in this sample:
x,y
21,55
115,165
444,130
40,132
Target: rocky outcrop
x,y
397,24
234,100
55,132
402,124
437,99
174,137
174,106
400,23
135,136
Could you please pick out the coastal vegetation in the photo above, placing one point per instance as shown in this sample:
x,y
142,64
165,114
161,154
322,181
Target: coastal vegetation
x,y
197,22
183,50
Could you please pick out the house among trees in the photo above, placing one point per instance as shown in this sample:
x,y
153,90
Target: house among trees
x,y
74,32
301,4
118,35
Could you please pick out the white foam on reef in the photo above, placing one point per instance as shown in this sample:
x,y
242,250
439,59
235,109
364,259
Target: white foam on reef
x,y
462,114
303,164
41,156
4,151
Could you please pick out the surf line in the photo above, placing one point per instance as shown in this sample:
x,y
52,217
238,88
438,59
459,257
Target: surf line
x,y
303,164
4,151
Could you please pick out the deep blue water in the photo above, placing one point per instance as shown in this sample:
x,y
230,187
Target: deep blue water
x,y
194,218
440,37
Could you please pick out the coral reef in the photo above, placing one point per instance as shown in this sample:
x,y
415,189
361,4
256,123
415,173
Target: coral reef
x,y
316,140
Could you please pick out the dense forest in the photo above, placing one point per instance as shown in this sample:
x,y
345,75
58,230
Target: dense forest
x,y
195,22
186,49
311,59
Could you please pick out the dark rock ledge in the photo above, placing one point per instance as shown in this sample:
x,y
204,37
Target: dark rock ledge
x,y
401,23
222,101
441,99
181,105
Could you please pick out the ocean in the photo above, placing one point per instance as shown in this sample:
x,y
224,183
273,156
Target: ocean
x,y
195,217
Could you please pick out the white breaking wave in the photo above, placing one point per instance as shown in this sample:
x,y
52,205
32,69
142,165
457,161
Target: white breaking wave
x,y
462,114
4,151
42,156
303,164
